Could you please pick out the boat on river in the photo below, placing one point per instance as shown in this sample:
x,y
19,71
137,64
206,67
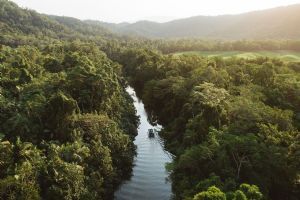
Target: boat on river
x,y
149,175
151,133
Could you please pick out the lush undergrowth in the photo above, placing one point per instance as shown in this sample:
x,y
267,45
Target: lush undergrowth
x,y
233,124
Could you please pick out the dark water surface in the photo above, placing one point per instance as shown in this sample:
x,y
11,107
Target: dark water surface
x,y
149,177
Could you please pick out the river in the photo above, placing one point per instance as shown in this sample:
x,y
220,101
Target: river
x,y
149,176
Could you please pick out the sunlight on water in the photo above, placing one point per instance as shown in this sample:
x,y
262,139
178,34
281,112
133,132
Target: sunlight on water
x,y
149,179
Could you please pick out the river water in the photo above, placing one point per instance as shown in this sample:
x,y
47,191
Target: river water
x,y
149,176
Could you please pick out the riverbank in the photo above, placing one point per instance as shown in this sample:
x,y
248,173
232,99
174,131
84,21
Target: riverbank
x,y
149,178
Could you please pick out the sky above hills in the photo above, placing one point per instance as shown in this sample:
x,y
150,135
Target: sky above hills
x,y
155,10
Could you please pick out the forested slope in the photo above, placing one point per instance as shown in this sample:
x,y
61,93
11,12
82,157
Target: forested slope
x,y
275,23
22,26
26,27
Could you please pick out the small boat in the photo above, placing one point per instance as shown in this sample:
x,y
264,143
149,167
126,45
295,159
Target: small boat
x,y
151,133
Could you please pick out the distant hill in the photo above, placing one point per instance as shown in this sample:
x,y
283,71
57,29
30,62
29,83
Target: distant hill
x,y
276,23
22,26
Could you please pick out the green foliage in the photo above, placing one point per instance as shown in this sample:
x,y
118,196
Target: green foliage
x,y
239,195
251,191
69,105
65,173
212,193
245,192
67,123
21,164
228,121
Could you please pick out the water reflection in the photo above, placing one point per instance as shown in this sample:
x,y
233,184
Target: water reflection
x,y
149,179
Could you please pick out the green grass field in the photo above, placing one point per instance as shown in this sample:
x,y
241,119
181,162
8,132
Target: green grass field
x,y
284,55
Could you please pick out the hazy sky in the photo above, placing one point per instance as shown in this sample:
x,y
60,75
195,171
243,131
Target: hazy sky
x,y
157,10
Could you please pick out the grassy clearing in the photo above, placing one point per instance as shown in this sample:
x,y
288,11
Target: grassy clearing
x,y
284,55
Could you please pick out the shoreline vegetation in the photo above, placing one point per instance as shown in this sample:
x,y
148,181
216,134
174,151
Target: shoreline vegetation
x,y
231,123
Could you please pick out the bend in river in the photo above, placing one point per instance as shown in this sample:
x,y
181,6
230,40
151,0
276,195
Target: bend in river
x,y
149,176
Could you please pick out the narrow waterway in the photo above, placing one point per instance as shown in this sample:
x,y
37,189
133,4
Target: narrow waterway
x,y
149,178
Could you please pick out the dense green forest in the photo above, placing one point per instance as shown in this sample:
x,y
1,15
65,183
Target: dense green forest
x,y
232,124
67,123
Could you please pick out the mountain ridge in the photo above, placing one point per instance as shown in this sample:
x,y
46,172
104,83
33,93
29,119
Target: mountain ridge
x,y
271,24
275,23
